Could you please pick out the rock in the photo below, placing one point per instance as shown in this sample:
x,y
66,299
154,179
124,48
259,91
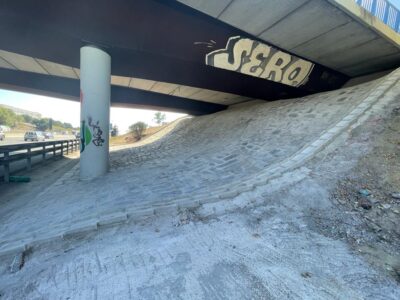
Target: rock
x,y
373,201
386,206
374,227
396,269
364,203
184,217
17,263
364,192
396,195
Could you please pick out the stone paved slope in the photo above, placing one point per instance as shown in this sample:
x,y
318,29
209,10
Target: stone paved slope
x,y
203,159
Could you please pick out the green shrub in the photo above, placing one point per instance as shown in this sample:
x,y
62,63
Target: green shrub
x,y
138,129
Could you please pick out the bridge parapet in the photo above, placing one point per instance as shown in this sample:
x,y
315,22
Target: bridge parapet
x,y
384,11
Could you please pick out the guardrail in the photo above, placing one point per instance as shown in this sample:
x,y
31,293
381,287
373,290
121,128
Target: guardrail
x,y
18,152
383,10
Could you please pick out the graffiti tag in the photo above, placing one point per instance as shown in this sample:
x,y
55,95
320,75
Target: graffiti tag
x,y
91,133
256,59
97,133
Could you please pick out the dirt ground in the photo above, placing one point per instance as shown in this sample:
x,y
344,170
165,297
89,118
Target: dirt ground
x,y
368,197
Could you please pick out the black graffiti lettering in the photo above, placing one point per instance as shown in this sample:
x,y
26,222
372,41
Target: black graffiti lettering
x,y
231,58
274,69
296,74
258,56
97,133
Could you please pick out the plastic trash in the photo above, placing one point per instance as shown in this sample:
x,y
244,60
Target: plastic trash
x,y
20,179
364,192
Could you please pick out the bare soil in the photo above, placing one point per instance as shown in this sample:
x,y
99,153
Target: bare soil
x,y
369,210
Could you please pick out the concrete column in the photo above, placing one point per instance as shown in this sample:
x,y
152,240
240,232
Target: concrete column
x,y
95,77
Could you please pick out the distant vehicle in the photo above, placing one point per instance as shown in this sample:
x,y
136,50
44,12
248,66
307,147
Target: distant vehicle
x,y
48,135
34,136
2,135
4,128
78,135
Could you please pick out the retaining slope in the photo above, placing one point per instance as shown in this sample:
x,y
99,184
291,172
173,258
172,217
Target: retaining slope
x,y
205,159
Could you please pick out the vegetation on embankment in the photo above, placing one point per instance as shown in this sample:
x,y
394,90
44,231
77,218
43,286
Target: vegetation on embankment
x,y
129,138
26,122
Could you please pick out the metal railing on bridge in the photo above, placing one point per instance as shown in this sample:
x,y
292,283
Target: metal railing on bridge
x,y
383,10
26,151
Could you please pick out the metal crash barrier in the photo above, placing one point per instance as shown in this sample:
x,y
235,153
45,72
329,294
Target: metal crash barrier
x,y
25,151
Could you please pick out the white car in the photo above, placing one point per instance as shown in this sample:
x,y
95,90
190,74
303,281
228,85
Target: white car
x,y
34,136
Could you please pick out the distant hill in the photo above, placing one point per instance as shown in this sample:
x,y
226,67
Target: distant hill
x,y
20,111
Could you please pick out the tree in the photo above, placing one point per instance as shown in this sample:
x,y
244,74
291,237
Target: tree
x,y
27,118
41,124
114,130
159,117
67,125
138,129
8,117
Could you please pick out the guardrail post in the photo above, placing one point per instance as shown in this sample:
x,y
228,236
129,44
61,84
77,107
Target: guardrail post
x,y
6,167
44,153
397,23
29,159
386,13
67,147
54,149
373,8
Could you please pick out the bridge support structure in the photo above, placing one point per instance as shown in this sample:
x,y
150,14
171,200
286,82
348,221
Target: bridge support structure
x,y
95,85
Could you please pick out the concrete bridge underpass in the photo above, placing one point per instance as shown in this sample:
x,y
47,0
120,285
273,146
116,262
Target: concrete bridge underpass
x,y
196,57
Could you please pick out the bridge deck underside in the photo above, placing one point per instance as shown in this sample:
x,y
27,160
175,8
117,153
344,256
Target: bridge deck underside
x,y
314,29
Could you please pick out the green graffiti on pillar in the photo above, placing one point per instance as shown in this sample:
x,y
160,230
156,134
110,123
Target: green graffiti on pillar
x,y
86,136
82,136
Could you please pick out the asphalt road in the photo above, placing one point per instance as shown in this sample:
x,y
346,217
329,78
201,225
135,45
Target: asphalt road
x,y
20,140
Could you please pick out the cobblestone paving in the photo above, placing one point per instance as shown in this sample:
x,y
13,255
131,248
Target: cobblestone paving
x,y
200,156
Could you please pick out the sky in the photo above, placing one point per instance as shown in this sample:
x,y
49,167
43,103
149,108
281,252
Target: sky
x,y
69,111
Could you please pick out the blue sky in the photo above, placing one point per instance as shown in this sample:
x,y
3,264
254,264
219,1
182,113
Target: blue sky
x,y
395,3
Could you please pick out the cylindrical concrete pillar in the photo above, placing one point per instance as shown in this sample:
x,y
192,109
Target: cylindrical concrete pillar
x,y
95,77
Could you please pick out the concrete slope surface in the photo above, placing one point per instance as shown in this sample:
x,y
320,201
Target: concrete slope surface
x,y
223,207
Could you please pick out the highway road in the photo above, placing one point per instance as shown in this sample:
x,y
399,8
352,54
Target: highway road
x,y
12,140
